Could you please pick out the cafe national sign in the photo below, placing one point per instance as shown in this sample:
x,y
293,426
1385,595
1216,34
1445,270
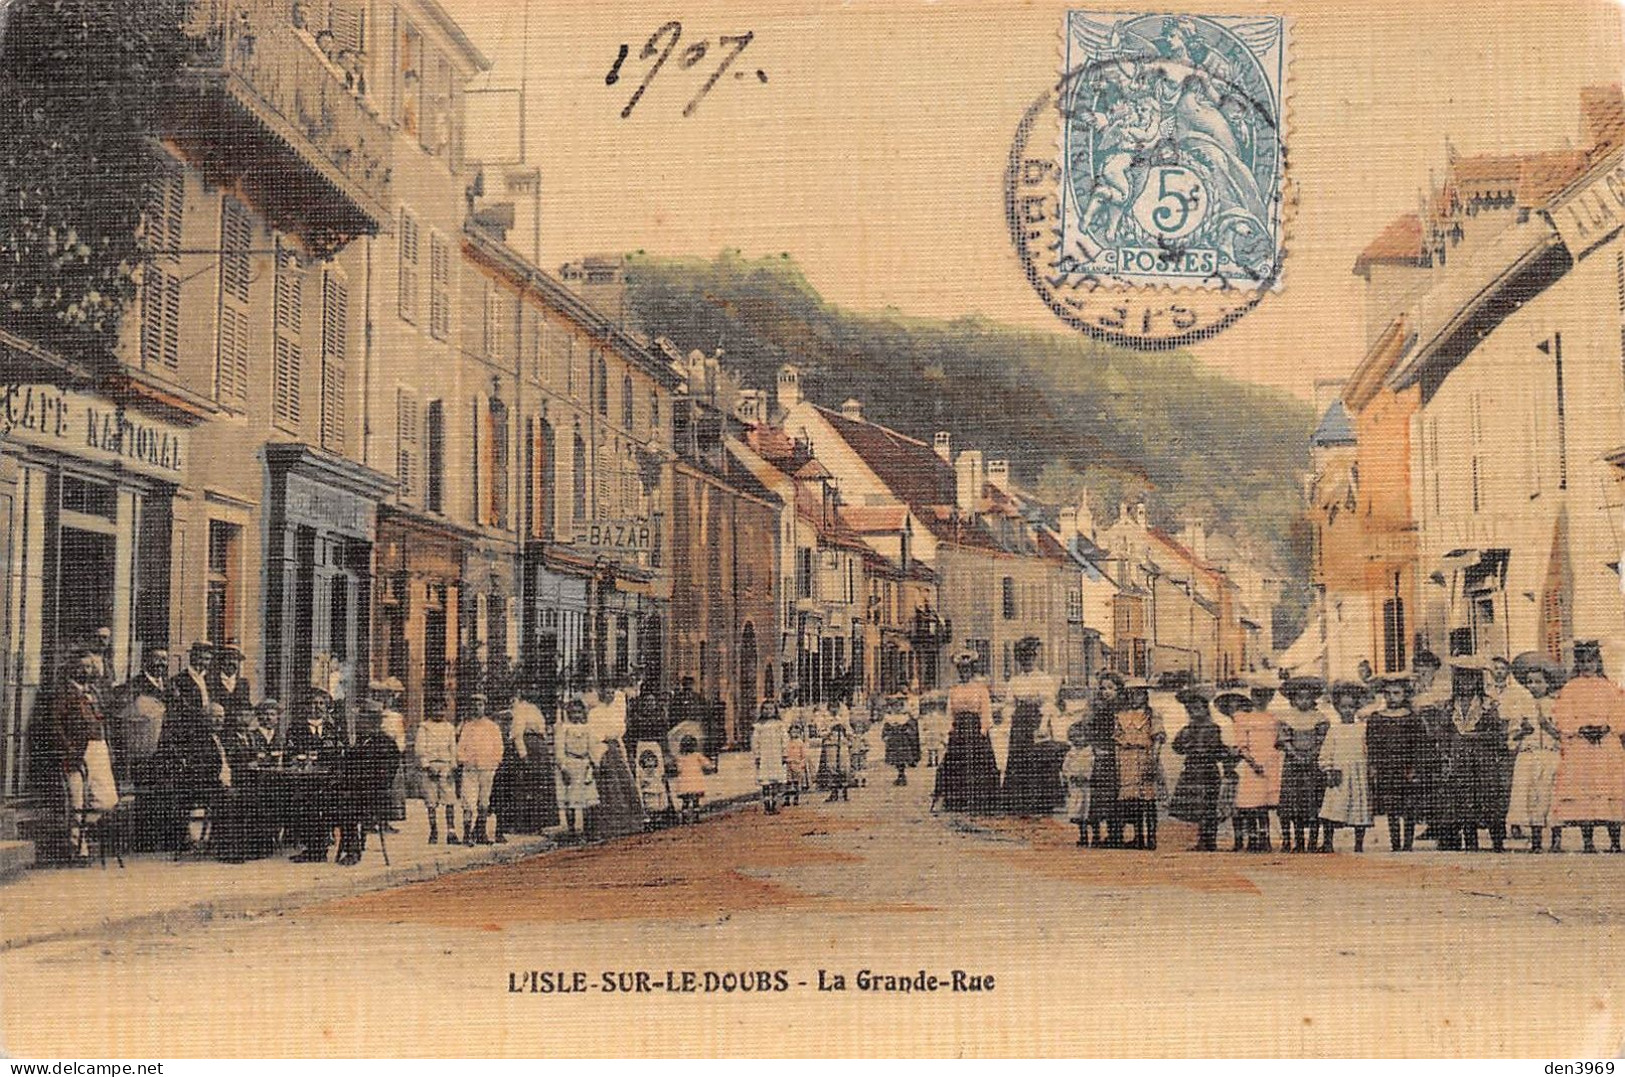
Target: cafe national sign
x,y
91,428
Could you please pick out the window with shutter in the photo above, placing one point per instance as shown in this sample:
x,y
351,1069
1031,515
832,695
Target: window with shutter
x,y
626,401
435,423
406,441
236,271
161,281
439,286
410,253
288,353
499,463
335,356
346,21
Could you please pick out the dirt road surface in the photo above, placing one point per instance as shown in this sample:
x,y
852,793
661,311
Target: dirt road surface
x,y
1091,952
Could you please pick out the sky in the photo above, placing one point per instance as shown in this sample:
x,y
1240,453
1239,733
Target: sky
x,y
874,151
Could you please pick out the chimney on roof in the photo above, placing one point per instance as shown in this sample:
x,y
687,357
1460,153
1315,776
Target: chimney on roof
x,y
1139,513
998,474
1194,538
945,446
1085,517
1069,524
789,387
970,477
750,406
853,409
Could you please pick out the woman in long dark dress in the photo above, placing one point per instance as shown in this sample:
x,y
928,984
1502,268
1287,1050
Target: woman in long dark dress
x,y
1303,785
1396,746
1103,808
1032,773
1196,794
620,806
968,779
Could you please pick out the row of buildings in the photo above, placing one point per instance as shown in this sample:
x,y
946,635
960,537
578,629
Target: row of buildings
x,y
1466,492
353,429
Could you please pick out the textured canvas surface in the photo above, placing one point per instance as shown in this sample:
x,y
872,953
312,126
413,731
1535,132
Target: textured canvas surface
x,y
787,529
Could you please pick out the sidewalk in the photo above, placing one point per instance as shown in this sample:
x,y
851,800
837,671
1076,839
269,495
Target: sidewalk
x,y
52,904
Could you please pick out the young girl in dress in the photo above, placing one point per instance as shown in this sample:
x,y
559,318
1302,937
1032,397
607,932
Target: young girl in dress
x,y
1301,731
835,762
653,787
795,765
690,785
573,748
1077,769
1347,801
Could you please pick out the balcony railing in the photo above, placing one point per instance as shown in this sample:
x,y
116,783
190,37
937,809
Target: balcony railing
x,y
307,95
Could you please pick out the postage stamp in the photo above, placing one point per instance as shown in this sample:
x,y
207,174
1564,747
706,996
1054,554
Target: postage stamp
x,y
1172,161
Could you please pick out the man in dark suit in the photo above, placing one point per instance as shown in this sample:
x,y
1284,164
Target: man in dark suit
x,y
228,687
317,736
189,691
365,775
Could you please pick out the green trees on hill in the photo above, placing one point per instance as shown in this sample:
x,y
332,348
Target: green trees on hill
x,y
1069,412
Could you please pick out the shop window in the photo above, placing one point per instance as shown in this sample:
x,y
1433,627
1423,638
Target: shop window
x,y
236,271
225,580
288,357
335,359
89,498
435,466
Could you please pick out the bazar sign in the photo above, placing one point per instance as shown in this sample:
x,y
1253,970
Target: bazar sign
x,y
90,427
1594,212
621,536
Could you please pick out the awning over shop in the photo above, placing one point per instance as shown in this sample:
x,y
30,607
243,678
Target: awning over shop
x,y
1308,651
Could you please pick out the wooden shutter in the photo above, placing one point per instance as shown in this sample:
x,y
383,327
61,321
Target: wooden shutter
x,y
335,354
439,286
236,273
410,253
160,318
498,412
406,441
288,355
346,21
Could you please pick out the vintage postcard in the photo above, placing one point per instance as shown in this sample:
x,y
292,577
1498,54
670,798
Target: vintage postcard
x,y
538,528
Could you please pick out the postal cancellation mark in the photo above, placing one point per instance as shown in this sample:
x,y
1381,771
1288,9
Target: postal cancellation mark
x,y
1172,159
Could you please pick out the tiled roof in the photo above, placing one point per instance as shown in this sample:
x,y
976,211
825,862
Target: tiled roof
x,y
1400,243
1485,173
910,469
1544,174
1602,116
874,519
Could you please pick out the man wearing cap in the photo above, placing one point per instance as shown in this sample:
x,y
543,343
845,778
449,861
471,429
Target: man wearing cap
x,y
1590,719
227,686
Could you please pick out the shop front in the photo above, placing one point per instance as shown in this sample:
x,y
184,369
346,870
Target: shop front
x,y
489,643
321,527
589,617
87,500
419,608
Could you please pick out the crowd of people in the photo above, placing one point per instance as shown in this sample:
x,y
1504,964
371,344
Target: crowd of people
x,y
1496,750
1450,752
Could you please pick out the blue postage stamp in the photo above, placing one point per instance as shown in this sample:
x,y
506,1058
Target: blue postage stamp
x,y
1173,149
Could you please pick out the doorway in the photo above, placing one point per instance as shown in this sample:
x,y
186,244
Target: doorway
x,y
85,590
